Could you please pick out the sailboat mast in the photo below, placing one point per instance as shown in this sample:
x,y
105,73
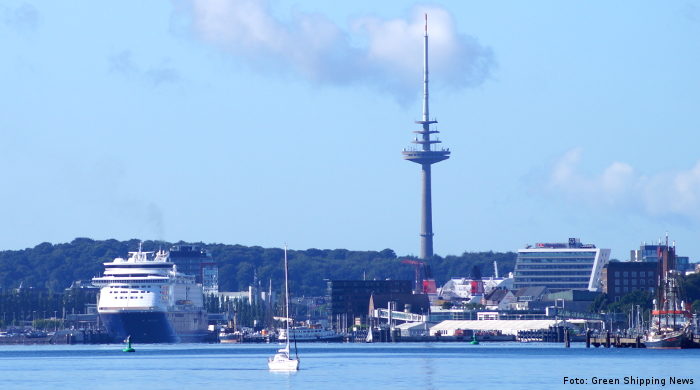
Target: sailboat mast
x,y
286,293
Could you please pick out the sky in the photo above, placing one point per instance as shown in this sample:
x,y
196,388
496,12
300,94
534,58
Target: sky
x,y
263,122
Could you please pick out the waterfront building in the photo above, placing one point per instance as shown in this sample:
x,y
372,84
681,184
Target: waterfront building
x,y
621,278
467,289
525,296
499,300
197,261
350,298
561,266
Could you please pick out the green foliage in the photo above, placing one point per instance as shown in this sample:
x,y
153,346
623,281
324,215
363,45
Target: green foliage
x,y
55,267
47,324
691,286
600,304
640,298
21,306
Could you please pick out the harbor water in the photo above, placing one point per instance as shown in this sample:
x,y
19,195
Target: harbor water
x,y
502,366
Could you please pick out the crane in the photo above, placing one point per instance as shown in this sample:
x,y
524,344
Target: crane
x,y
424,277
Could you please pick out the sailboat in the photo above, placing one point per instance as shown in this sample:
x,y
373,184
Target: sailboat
x,y
282,361
672,320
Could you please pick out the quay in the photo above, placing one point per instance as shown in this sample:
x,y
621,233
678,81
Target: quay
x,y
76,336
608,340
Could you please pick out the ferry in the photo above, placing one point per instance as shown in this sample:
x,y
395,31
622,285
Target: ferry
x,y
309,333
145,297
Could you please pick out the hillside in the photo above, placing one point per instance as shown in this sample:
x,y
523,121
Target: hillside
x,y
56,266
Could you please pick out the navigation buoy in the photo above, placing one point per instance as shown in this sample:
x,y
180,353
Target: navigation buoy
x,y
474,340
128,345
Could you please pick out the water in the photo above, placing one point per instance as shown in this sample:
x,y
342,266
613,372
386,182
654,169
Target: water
x,y
501,366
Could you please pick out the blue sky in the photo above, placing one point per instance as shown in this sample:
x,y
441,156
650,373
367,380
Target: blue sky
x,y
260,122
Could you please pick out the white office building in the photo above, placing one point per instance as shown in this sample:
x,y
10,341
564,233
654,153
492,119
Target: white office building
x,y
561,266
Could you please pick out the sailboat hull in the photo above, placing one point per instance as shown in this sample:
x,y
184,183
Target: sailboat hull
x,y
672,341
282,362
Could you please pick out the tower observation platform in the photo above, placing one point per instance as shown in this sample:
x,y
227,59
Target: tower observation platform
x,y
426,154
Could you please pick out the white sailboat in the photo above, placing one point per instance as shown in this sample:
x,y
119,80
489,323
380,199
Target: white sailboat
x,y
282,361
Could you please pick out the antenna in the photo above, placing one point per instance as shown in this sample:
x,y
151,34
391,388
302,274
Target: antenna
x,y
426,155
426,109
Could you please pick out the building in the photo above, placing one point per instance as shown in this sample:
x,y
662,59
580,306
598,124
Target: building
x,y
646,253
621,278
197,261
526,296
350,298
499,300
561,266
470,290
210,278
650,254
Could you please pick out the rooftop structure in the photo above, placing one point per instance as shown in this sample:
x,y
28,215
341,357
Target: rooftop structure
x,y
561,266
426,155
650,253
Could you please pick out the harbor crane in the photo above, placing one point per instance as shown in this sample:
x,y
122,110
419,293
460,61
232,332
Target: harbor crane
x,y
424,277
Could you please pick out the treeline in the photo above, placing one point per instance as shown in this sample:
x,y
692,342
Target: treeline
x,y
56,266
23,305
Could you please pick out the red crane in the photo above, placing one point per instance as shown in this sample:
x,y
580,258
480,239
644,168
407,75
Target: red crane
x,y
424,276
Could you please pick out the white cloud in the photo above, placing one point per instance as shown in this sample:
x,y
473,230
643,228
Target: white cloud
x,y
384,54
667,194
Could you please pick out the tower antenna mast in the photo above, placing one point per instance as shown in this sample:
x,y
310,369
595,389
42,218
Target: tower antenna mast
x,y
426,155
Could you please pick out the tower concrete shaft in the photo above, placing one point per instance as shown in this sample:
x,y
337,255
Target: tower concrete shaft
x,y
426,155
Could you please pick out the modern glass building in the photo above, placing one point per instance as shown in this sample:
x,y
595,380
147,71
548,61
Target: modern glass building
x,y
197,261
650,253
561,266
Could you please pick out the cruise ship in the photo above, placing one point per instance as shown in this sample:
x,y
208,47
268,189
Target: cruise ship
x,y
145,297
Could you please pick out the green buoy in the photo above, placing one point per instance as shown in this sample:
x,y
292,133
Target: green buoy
x,y
128,345
474,340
